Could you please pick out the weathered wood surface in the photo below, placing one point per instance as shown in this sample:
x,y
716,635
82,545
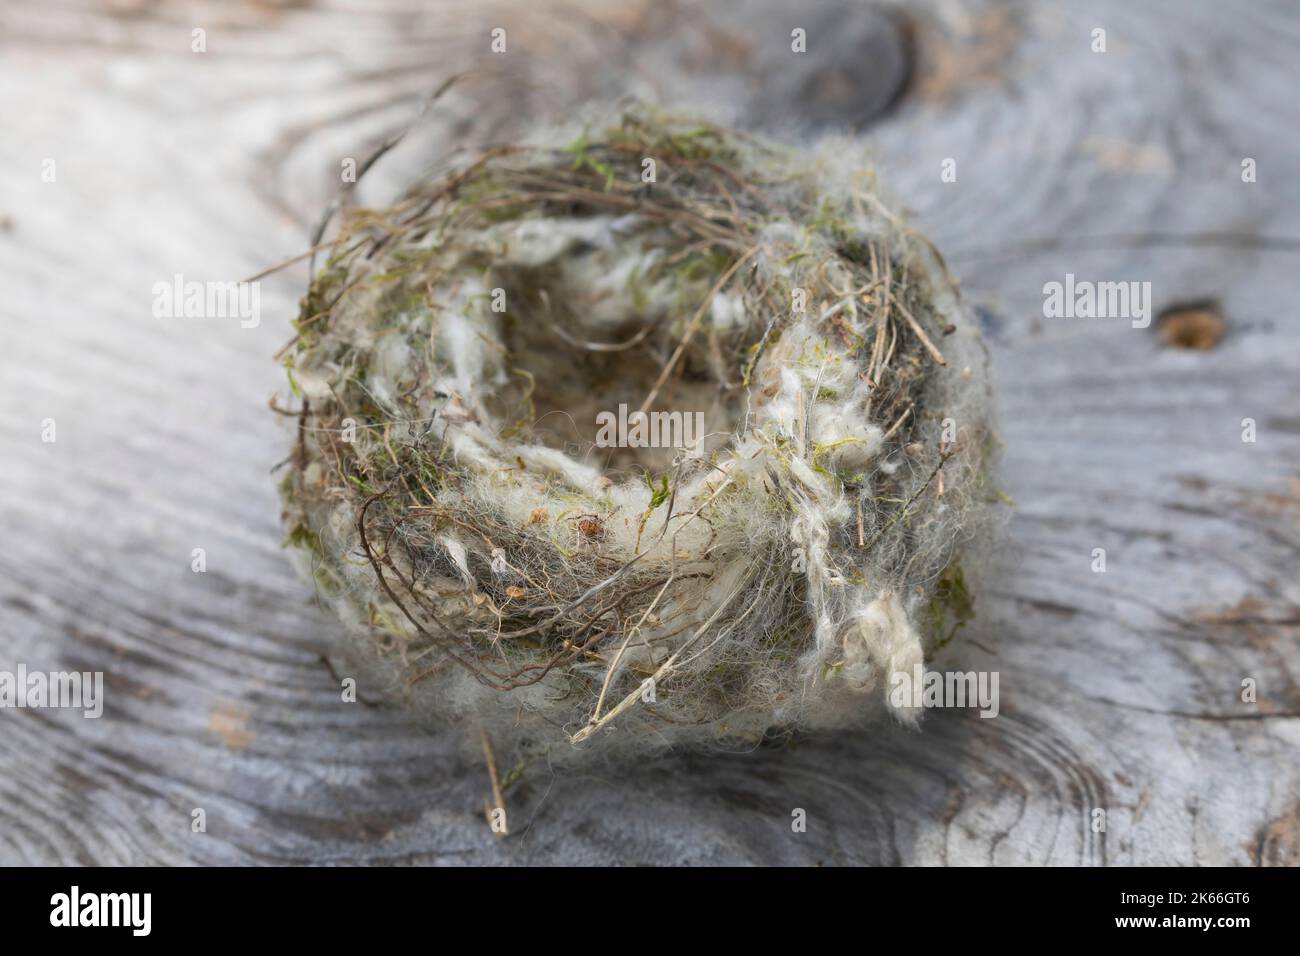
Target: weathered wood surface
x,y
1120,690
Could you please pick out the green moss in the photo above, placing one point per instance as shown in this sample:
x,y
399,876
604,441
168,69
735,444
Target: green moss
x,y
303,537
582,159
822,447
951,608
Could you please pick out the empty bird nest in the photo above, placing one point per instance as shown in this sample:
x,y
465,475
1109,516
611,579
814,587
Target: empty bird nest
x,y
499,558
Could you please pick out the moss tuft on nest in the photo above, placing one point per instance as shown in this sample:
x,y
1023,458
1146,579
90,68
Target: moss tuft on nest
x,y
454,497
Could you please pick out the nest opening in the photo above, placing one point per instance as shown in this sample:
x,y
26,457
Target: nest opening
x,y
585,354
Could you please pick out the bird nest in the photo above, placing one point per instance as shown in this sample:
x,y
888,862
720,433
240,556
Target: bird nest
x,y
639,433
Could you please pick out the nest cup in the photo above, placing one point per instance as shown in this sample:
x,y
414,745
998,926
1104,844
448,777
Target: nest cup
x,y
640,433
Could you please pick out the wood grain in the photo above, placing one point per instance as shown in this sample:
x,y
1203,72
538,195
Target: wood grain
x,y
1120,691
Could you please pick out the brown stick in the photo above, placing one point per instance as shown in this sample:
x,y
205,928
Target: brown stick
x,y
694,325
920,333
497,795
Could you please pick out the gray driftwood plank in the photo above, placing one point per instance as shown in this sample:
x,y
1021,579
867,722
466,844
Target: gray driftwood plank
x,y
1120,690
